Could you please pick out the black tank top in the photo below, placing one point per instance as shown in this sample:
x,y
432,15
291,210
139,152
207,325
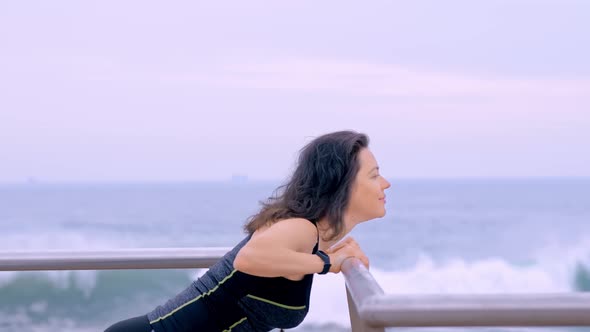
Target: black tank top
x,y
225,299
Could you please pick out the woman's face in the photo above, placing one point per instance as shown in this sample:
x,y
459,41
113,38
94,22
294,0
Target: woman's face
x,y
367,197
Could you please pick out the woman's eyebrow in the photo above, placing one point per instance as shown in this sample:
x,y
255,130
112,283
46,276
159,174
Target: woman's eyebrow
x,y
374,168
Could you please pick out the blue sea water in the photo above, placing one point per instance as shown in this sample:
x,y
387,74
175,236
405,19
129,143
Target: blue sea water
x,y
439,236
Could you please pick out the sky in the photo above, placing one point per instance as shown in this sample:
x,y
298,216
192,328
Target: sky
x,y
192,91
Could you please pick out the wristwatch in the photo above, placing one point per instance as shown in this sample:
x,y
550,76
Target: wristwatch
x,y
326,260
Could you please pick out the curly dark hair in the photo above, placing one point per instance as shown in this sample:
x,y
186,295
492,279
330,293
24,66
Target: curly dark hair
x,y
320,186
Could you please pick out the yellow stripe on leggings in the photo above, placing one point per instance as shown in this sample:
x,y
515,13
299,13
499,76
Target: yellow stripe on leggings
x,y
195,299
275,303
235,324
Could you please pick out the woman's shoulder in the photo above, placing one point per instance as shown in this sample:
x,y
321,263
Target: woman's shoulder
x,y
300,230
289,224
299,222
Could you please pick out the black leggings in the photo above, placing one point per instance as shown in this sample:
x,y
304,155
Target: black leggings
x,y
135,324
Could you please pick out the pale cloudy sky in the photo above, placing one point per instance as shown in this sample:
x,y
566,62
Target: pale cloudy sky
x,y
156,91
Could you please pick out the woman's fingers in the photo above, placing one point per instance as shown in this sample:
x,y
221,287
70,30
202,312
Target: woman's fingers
x,y
344,249
365,261
339,245
349,248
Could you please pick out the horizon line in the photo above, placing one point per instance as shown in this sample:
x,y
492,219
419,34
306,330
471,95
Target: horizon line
x,y
246,180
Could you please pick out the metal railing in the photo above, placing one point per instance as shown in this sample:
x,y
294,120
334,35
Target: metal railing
x,y
156,258
371,310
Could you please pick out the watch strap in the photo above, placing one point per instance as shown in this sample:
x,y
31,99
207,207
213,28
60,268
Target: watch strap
x,y
326,260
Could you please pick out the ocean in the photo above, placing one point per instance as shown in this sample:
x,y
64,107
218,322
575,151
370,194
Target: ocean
x,y
439,236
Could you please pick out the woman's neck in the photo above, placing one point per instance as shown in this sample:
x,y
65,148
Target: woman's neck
x,y
325,231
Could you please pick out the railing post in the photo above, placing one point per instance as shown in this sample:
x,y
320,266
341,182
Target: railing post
x,y
356,323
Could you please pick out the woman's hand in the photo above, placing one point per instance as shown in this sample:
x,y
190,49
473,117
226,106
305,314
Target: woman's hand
x,y
345,249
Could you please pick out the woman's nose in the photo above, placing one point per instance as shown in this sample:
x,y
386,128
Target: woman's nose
x,y
387,184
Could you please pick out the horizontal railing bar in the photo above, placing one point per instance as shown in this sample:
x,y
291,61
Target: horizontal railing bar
x,y
378,309
146,258
563,309
374,307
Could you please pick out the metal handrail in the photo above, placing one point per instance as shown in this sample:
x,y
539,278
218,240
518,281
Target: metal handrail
x,y
152,258
375,310
370,308
361,287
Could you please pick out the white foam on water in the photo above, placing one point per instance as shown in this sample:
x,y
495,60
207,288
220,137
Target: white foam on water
x,y
61,280
492,275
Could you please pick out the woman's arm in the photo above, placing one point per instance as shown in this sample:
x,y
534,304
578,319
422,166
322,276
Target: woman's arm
x,y
282,249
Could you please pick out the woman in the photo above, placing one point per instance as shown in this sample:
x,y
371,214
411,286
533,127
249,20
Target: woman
x,y
265,281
